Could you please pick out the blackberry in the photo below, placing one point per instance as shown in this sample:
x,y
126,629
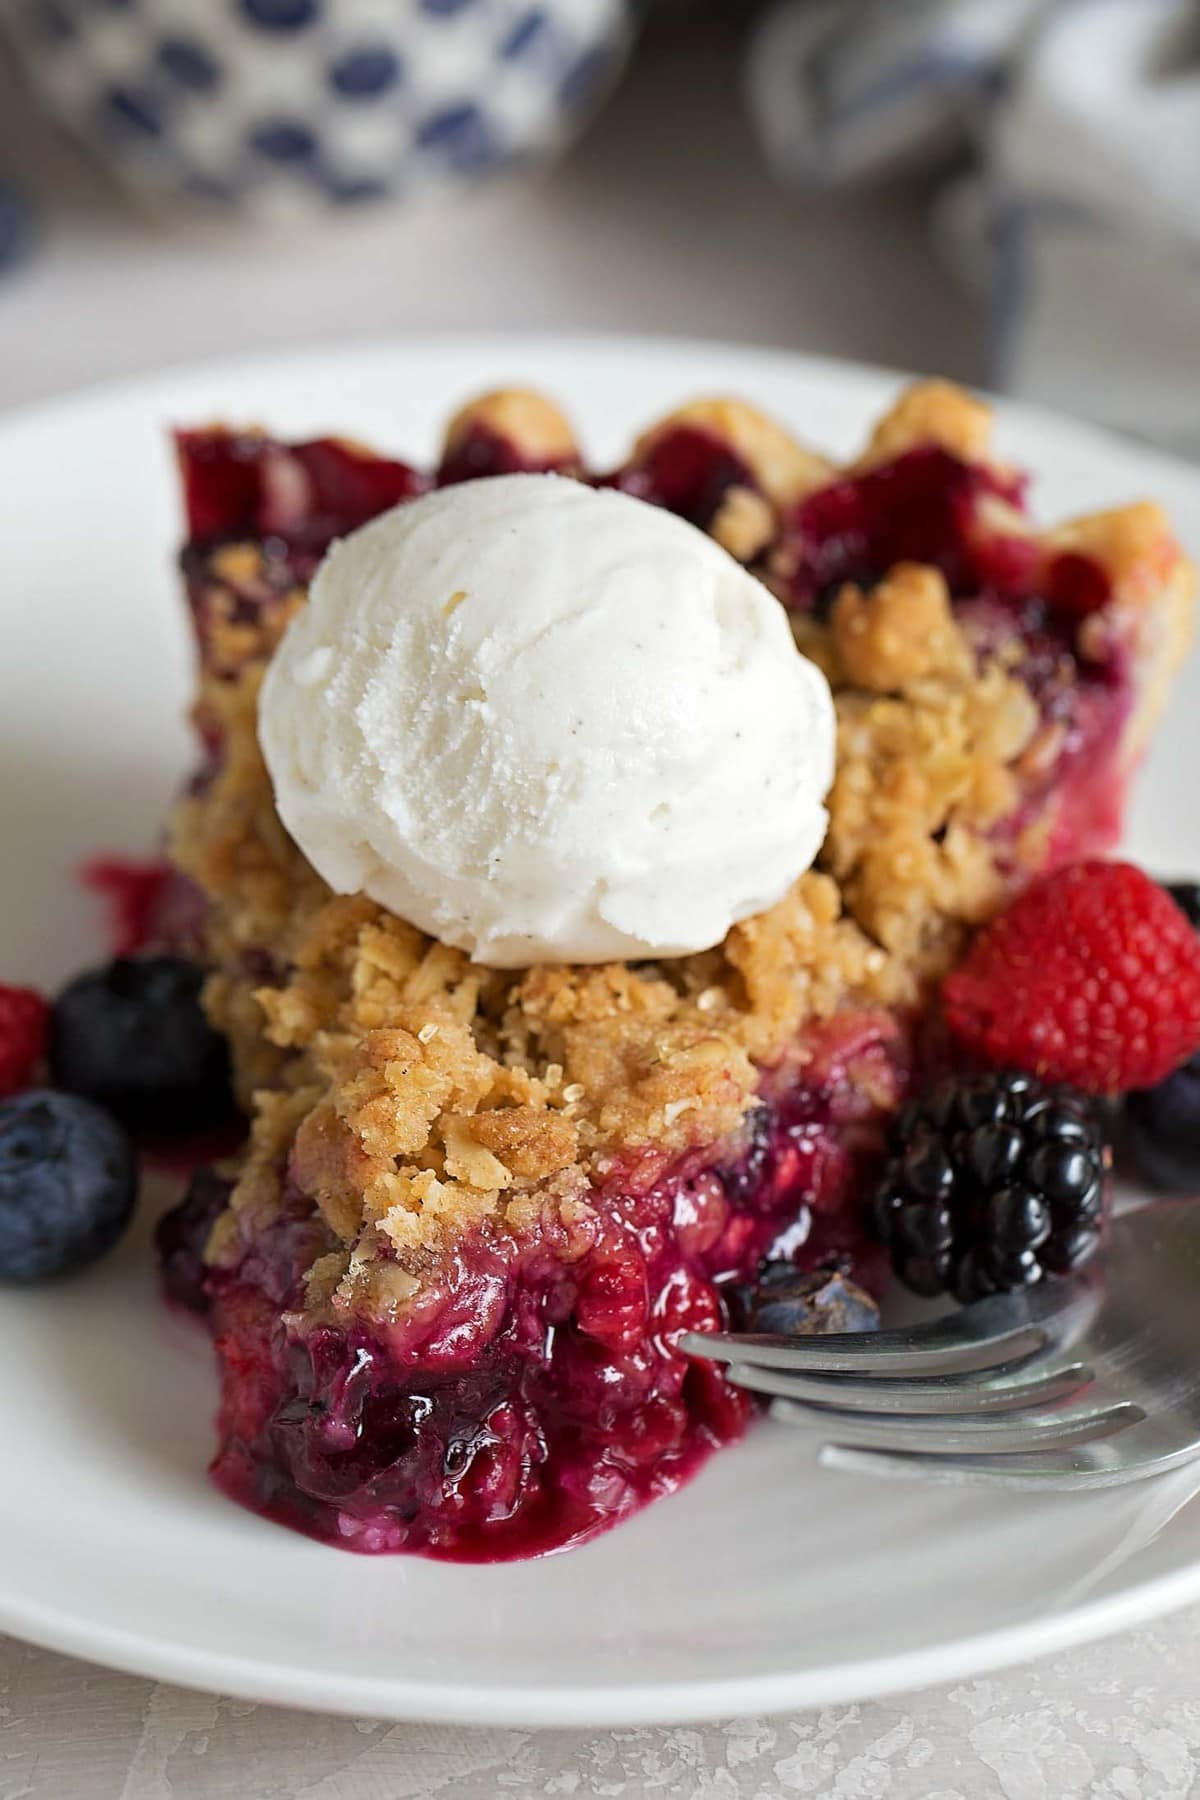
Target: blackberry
x,y
993,1182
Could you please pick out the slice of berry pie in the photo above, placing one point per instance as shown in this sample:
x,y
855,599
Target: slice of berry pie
x,y
479,1203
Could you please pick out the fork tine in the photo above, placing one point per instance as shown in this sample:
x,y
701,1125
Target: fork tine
x,y
966,1436
917,1352
1097,1465
946,1395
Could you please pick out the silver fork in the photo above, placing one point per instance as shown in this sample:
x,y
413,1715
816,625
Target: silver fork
x,y
1087,1382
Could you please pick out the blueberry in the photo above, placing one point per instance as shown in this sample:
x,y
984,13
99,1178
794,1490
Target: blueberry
x,y
132,1037
1162,1128
68,1181
804,1302
1186,895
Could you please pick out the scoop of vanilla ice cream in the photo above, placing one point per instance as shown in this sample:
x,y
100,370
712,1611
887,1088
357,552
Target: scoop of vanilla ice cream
x,y
548,723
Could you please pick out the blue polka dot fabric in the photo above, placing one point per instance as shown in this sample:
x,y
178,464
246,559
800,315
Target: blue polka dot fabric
x,y
278,102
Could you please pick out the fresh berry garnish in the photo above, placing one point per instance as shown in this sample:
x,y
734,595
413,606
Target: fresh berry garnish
x,y
133,1037
24,1019
803,1302
1091,977
1162,1130
1186,895
68,1181
993,1182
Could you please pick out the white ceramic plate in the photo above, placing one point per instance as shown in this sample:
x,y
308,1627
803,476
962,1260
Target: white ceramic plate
x,y
768,1583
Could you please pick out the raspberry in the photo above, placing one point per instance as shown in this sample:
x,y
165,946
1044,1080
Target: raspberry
x,y
1091,977
24,1018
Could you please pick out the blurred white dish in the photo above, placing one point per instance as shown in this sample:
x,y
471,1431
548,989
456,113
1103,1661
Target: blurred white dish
x,y
290,106
767,1583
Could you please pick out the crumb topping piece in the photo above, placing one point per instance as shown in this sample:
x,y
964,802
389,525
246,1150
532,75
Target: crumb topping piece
x,y
783,469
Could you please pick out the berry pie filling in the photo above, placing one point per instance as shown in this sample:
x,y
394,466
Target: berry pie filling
x,y
482,1200
532,1394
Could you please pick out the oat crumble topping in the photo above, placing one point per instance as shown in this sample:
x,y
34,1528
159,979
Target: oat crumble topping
x,y
415,1095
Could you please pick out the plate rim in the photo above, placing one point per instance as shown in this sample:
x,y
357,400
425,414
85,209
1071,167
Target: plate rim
x,y
586,1707
1086,434
623,1703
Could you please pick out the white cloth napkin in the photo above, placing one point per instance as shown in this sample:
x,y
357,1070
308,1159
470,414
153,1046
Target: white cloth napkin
x,y
1081,214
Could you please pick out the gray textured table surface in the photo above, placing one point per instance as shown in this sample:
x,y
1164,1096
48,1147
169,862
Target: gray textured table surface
x,y
1114,1721
617,237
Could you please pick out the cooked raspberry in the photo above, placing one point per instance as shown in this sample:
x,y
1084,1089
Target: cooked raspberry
x,y
1092,977
23,1020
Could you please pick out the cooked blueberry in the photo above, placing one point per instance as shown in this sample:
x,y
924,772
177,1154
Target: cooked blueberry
x,y
984,1177
68,1182
132,1036
746,1175
805,1302
1163,1130
183,1232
